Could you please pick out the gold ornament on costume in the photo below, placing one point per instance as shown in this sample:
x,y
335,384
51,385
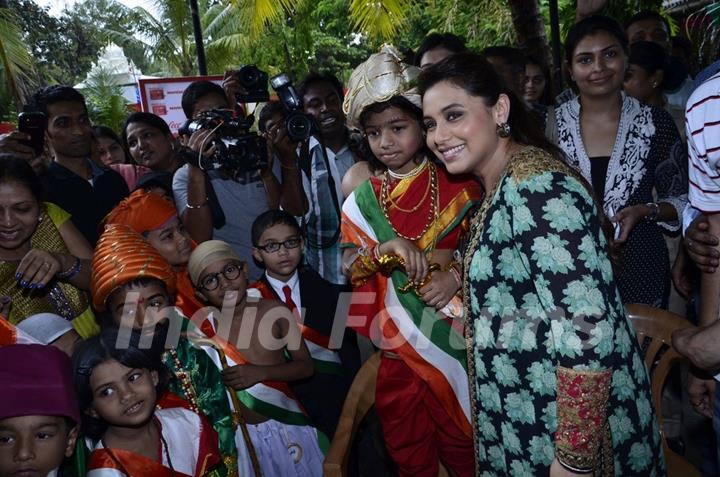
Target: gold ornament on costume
x,y
378,79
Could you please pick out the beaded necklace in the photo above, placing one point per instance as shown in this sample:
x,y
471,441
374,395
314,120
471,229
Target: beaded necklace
x,y
434,205
185,381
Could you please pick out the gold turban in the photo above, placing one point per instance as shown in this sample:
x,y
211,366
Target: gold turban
x,y
121,256
208,253
378,79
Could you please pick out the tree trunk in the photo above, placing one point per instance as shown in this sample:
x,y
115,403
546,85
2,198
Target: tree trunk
x,y
530,28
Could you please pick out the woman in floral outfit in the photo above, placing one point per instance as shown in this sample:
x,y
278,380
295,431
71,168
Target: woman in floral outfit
x,y
557,382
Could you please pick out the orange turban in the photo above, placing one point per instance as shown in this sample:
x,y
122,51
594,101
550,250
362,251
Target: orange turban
x,y
121,256
143,211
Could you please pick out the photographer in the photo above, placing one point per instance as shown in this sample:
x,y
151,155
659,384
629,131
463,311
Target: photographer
x,y
307,188
220,203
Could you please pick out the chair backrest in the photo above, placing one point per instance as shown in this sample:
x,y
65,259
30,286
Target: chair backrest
x,y
654,328
359,400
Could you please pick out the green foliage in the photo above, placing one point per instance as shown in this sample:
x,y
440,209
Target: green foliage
x,y
63,48
15,61
105,101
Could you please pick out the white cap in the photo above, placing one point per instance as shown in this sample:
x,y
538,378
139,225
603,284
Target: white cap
x,y
45,327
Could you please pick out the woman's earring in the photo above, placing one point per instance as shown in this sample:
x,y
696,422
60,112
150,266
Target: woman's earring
x,y
503,130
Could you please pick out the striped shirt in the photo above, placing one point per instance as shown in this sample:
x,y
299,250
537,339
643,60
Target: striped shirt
x,y
322,251
703,136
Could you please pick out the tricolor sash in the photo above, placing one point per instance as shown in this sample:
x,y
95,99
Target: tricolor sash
x,y
10,334
427,341
191,448
272,399
325,360
125,463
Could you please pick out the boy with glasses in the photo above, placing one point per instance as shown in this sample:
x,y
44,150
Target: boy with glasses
x,y
278,245
264,352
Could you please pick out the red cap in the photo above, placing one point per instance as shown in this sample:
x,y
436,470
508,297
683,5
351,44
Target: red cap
x,y
36,380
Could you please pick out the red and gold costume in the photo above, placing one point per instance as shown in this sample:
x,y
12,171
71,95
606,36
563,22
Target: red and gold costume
x,y
421,395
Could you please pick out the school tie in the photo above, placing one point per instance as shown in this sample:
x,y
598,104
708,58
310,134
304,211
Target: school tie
x,y
289,301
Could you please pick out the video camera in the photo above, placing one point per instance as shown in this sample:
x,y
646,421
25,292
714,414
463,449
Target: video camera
x,y
236,148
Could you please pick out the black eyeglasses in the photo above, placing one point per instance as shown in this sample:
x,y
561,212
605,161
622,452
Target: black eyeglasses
x,y
230,272
273,247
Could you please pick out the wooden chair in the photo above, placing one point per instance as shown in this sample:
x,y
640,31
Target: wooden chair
x,y
654,328
360,398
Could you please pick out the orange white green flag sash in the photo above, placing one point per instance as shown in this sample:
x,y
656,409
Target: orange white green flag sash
x,y
325,360
428,342
188,448
10,334
272,399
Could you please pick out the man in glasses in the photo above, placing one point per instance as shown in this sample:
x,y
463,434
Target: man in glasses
x,y
278,244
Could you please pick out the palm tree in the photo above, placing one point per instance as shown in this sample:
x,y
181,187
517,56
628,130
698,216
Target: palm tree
x,y
166,38
17,64
380,19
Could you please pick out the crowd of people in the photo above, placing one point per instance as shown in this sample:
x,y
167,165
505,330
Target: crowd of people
x,y
477,229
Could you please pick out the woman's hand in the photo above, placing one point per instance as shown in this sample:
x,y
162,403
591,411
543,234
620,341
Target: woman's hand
x,y
681,276
5,306
700,245
243,376
702,395
37,268
440,290
416,264
628,218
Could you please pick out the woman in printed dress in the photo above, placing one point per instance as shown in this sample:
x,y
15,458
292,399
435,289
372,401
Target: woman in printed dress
x,y
557,383
628,151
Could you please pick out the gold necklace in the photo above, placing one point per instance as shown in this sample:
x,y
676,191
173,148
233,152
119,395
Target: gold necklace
x,y
385,192
433,206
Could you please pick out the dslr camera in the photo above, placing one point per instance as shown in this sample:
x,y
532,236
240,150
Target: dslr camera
x,y
237,149
299,125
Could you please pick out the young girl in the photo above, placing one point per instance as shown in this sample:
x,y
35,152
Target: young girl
x,y
118,388
413,211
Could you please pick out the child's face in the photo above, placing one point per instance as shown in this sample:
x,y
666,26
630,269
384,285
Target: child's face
x,y
122,396
151,299
34,445
172,241
282,263
221,277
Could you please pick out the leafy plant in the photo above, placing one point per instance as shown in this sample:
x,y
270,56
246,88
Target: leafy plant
x,y
17,65
105,101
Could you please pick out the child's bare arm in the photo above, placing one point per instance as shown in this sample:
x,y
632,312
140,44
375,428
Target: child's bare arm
x,y
286,331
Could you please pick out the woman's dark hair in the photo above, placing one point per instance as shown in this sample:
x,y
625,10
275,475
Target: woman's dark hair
x,y
447,41
477,77
148,118
104,347
547,98
649,56
401,103
17,169
591,26
104,131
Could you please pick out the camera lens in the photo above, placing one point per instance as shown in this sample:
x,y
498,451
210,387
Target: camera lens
x,y
249,76
298,127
